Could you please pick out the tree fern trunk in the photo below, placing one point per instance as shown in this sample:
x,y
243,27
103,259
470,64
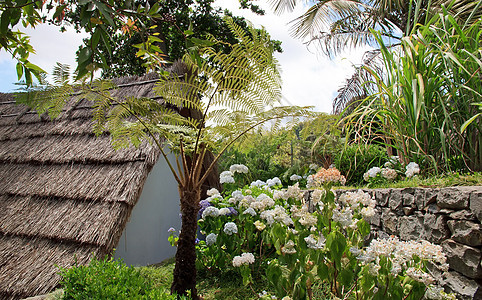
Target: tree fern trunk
x,y
185,269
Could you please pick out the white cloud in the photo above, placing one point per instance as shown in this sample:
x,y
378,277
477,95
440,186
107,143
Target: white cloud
x,y
53,46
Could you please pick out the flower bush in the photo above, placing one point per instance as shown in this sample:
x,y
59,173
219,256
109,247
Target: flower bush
x,y
296,242
392,170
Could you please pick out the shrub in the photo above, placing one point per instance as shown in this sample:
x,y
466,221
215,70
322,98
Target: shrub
x,y
108,279
355,160
302,246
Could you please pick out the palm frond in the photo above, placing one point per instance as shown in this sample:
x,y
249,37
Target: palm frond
x,y
360,85
321,15
281,6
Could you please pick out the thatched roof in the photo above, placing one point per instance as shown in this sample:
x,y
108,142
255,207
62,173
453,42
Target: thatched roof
x,y
63,191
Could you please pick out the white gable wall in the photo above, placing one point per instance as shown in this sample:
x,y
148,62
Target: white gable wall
x,y
144,240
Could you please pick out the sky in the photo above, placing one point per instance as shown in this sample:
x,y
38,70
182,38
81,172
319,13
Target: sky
x,y
309,77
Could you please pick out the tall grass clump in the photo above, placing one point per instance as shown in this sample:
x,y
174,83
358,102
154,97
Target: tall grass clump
x,y
427,102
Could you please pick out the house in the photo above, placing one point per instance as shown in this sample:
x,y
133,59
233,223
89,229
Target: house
x,y
66,195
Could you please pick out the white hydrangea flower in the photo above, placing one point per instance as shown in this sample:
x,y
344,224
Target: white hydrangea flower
x,y
224,211
273,182
355,251
212,192
239,168
288,248
294,192
315,243
237,195
262,202
389,174
373,171
211,239
295,177
258,183
226,177
250,211
310,182
277,214
210,211
244,259
313,167
367,212
317,195
259,225
343,215
277,194
412,169
420,276
246,201
307,220
230,228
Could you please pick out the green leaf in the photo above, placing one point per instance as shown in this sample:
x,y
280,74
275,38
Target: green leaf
x,y
19,70
5,21
323,271
153,38
346,277
33,67
201,43
468,122
363,227
85,55
188,32
105,11
96,37
336,242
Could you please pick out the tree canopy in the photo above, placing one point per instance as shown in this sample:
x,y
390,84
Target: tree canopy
x,y
158,28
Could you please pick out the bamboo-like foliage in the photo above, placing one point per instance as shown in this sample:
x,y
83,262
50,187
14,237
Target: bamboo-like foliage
x,y
426,95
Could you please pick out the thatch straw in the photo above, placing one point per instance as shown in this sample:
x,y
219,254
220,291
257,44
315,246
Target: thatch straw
x,y
28,265
63,190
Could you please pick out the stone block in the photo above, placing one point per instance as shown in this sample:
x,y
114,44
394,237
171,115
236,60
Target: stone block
x,y
466,232
395,200
382,196
431,196
419,196
476,203
436,229
463,215
408,198
389,221
463,287
408,210
411,228
463,259
432,208
453,198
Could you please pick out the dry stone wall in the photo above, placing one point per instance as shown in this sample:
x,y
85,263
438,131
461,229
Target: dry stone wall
x,y
450,217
